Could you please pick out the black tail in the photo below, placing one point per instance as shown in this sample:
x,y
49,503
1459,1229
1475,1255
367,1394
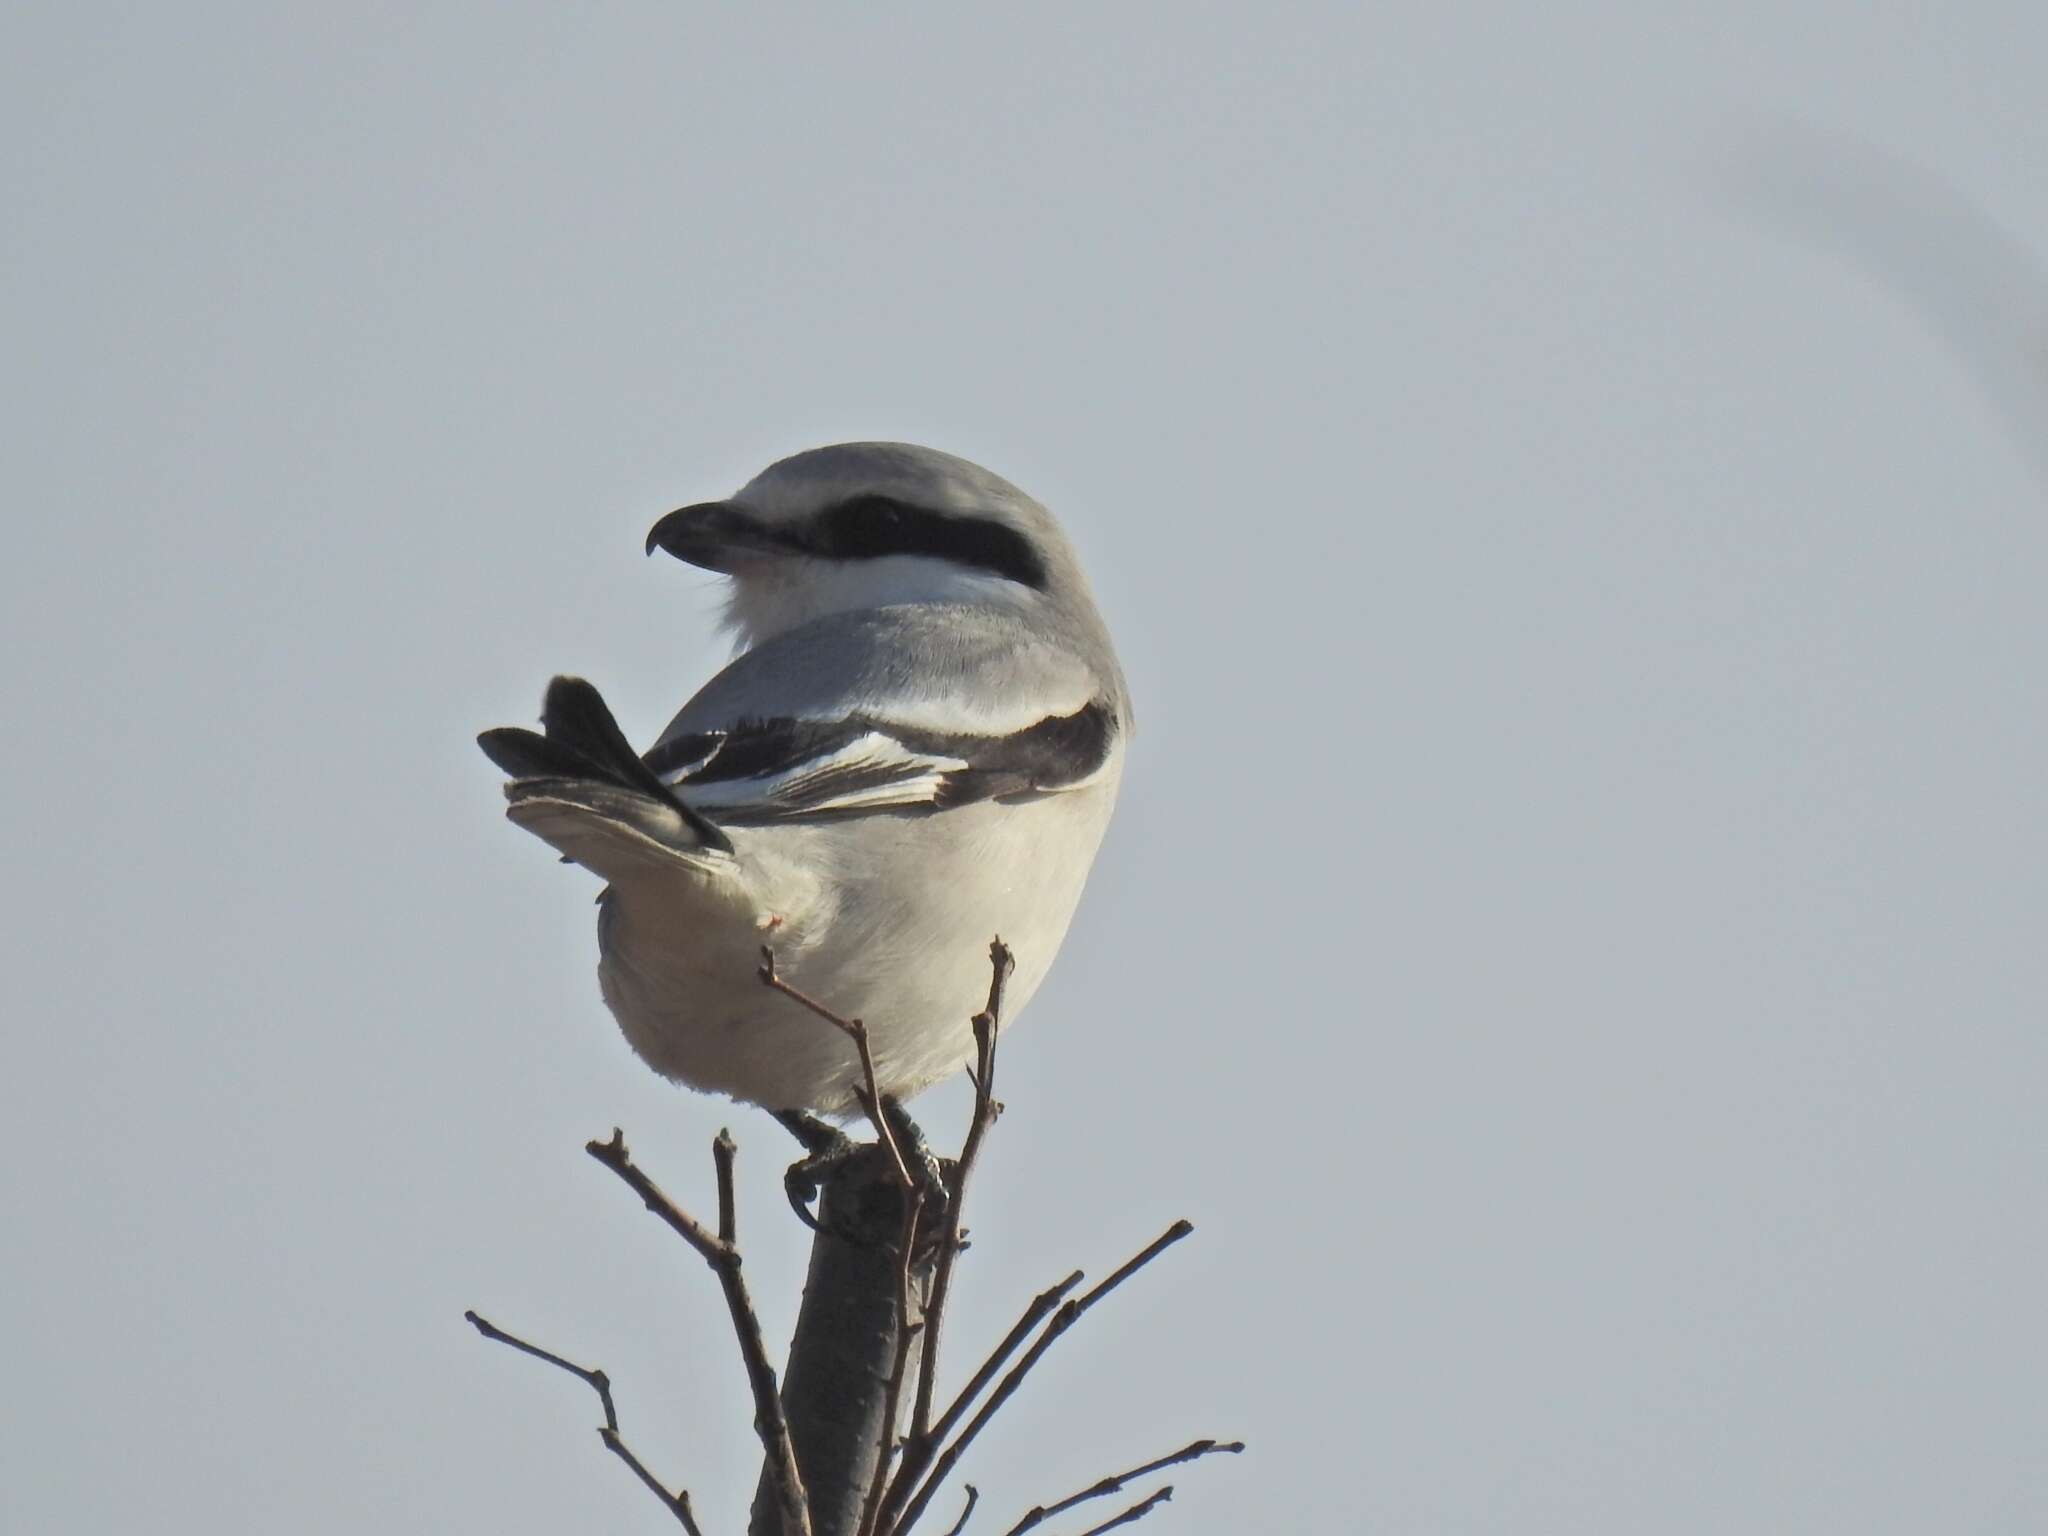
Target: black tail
x,y
583,741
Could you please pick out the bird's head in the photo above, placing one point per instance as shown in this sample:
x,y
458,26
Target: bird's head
x,y
864,525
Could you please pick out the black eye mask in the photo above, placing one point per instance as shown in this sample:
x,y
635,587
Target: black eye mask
x,y
868,527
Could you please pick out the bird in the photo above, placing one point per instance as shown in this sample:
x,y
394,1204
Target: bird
x,y
916,747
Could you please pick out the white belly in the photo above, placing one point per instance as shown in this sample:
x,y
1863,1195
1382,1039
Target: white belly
x,y
882,918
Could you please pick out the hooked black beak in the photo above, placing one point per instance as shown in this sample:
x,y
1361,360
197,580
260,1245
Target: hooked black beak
x,y
713,534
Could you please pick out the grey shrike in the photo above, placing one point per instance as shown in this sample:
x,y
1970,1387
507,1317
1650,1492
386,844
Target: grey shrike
x,y
917,747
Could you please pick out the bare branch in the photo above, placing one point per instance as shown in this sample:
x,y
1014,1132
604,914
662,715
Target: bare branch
x,y
870,1094
1116,1484
723,1150
1137,1511
973,1498
890,1482
917,1454
1069,1313
1041,1305
613,1155
986,1025
599,1383
899,1363
724,1258
678,1503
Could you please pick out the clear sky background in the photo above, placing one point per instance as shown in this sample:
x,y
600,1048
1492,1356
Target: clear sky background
x,y
1568,486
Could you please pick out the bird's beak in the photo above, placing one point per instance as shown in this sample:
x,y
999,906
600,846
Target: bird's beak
x,y
715,535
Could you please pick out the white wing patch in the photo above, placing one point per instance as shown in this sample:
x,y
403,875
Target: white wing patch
x,y
871,772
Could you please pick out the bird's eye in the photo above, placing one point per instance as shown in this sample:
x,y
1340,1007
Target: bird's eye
x,y
883,513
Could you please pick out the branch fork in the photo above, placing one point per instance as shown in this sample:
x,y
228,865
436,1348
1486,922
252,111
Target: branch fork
x,y
906,1476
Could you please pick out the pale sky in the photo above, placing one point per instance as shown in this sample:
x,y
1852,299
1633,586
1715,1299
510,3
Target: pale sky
x,y
1569,488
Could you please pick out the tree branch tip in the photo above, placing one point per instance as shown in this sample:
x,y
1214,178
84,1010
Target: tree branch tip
x,y
1135,1513
973,1498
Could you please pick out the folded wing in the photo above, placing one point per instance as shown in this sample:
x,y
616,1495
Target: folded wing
x,y
899,708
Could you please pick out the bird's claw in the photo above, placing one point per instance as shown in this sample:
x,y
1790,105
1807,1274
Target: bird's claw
x,y
825,1148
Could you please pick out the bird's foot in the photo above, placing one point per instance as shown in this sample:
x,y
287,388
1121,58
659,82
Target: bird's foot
x,y
927,1172
826,1147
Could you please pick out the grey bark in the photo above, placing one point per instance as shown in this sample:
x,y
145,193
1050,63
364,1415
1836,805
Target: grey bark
x,y
834,1387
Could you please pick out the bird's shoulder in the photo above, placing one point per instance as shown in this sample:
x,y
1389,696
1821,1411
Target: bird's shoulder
x,y
934,666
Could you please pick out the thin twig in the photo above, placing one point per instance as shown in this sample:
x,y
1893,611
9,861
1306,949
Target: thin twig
x,y
678,1503
1041,1304
1116,1484
1069,1313
1137,1511
770,1423
613,1155
973,1498
869,1095
723,1150
916,1456
899,1363
598,1382
986,1025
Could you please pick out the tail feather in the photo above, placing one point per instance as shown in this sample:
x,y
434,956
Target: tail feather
x,y
525,754
584,789
615,832
575,714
